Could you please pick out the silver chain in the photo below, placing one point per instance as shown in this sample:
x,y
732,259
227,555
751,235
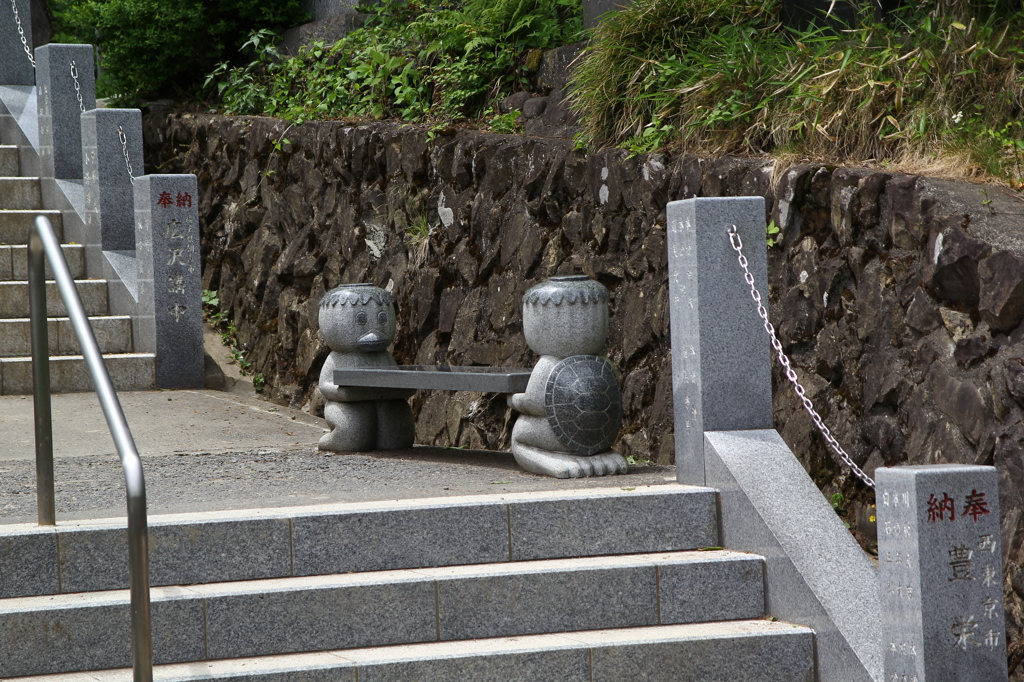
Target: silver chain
x,y
737,245
21,32
124,150
78,87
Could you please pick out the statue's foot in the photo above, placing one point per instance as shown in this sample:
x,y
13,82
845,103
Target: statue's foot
x,y
354,427
568,465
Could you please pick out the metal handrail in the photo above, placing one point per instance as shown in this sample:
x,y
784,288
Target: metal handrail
x,y
43,246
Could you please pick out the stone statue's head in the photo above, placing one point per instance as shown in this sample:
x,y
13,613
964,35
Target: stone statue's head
x,y
357,318
566,316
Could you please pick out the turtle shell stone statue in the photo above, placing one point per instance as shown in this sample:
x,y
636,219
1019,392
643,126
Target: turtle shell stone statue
x,y
583,403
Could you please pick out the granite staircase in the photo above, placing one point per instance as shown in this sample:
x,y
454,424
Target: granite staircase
x,y
20,203
588,585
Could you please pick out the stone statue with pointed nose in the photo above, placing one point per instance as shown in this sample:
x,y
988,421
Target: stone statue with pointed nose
x,y
358,323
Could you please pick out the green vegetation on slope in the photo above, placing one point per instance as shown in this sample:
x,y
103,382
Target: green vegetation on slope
x,y
164,47
724,77
937,86
410,62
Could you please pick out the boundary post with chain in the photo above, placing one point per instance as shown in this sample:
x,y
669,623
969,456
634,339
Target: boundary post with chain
x,y
17,63
815,572
107,136
66,89
721,362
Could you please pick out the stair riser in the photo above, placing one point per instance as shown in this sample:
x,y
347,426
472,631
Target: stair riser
x,y
20,193
367,537
14,262
14,299
756,651
130,372
395,608
16,225
8,161
113,335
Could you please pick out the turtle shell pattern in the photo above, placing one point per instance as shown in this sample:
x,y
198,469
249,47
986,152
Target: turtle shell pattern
x,y
583,403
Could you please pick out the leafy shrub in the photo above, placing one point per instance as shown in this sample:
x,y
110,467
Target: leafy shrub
x,y
723,76
153,47
410,61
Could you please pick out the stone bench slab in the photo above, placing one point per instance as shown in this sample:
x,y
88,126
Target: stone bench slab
x,y
440,377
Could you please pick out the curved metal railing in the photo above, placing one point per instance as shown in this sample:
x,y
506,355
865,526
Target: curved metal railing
x,y
43,246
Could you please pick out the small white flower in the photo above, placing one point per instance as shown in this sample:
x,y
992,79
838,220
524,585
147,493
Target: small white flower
x,y
957,117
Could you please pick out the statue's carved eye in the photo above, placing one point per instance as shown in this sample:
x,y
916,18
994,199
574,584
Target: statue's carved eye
x,y
361,318
382,317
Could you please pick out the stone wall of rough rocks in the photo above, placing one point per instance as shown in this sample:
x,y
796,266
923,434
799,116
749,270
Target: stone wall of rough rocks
x,y
899,297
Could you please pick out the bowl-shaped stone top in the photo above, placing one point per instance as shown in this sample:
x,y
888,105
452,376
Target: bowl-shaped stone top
x,y
357,318
566,316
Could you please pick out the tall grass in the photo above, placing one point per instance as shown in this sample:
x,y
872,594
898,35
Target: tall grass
x,y
724,77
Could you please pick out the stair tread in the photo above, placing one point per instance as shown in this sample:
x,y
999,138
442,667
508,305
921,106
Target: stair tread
x,y
64,358
342,580
58,318
346,658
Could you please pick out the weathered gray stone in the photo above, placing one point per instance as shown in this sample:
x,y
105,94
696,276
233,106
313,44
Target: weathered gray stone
x,y
109,194
716,652
358,323
170,316
720,354
60,110
399,536
1001,280
954,259
179,554
816,574
565,321
28,562
330,613
73,633
643,520
553,596
940,573
716,586
15,66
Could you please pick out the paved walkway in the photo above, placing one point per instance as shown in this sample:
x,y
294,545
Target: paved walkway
x,y
211,450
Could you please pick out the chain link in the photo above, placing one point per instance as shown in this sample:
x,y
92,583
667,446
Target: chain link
x,y
78,86
737,245
21,32
124,149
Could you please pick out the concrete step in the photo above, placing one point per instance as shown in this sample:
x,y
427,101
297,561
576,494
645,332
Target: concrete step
x,y
16,225
69,374
14,261
9,166
20,193
738,651
14,298
113,334
70,633
226,546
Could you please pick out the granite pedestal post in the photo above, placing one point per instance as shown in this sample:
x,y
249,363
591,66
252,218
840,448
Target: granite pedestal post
x,y
721,361
940,573
170,317
15,67
109,198
60,113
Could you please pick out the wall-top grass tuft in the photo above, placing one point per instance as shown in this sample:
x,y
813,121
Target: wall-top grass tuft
x,y
934,84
